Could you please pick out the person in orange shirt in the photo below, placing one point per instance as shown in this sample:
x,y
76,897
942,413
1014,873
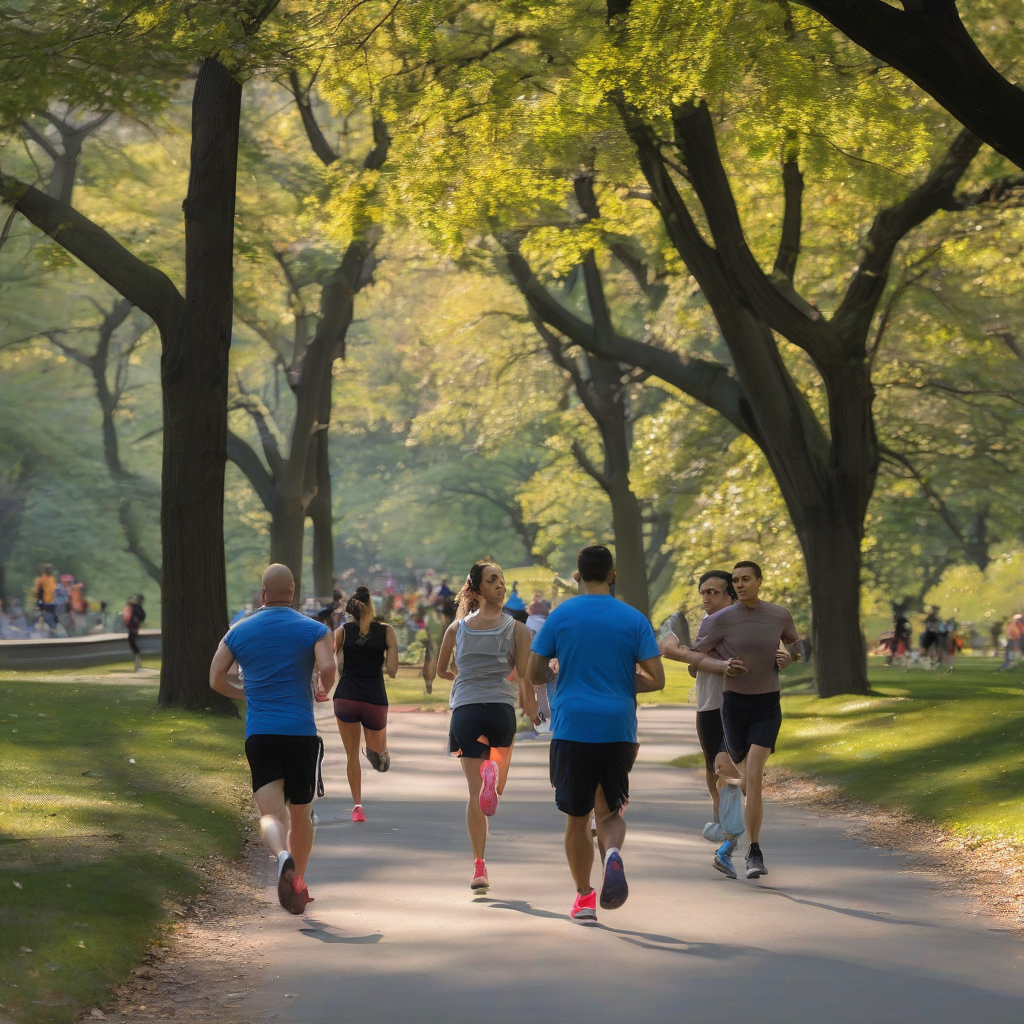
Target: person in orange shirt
x,y
45,588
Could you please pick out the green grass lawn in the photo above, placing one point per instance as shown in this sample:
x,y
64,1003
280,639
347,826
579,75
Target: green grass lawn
x,y
108,809
949,747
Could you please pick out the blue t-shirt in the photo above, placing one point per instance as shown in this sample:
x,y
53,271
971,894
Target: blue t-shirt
x,y
598,640
274,648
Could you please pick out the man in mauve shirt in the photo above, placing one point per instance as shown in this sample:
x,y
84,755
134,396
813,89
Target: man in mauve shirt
x,y
751,631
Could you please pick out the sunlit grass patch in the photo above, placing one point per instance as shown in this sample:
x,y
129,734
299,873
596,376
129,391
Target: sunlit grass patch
x,y
948,746
108,809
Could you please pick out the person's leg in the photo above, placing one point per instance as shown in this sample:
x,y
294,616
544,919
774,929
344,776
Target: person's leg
x,y
579,851
350,738
753,777
611,825
502,756
476,820
300,835
724,767
274,817
376,739
711,781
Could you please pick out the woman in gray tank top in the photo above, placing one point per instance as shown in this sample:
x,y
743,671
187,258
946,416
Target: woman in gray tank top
x,y
488,646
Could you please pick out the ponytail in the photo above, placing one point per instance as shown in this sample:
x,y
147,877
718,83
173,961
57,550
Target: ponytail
x,y
359,604
468,598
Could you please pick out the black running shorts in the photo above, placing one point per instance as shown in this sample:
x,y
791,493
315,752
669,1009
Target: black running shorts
x,y
470,721
296,759
711,734
577,769
750,719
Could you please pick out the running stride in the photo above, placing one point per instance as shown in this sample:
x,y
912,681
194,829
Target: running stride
x,y
277,649
365,649
487,645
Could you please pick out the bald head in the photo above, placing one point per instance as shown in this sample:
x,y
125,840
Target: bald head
x,y
278,584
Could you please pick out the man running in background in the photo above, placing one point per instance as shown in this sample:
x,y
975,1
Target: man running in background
x,y
277,649
716,593
599,642
750,630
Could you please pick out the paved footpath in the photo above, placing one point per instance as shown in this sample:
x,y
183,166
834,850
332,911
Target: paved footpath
x,y
837,931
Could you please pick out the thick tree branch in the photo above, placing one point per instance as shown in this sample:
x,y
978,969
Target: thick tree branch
x,y
245,458
709,383
148,288
267,439
317,140
588,467
780,307
853,317
928,42
792,219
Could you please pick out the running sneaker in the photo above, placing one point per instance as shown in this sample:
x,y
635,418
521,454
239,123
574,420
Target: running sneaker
x,y
378,762
488,791
480,882
713,832
285,891
723,858
584,908
357,813
614,889
301,898
755,865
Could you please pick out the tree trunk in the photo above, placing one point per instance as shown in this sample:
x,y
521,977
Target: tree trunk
x,y
287,536
194,375
630,563
322,515
831,547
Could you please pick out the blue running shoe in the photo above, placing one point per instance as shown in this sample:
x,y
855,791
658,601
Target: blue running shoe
x,y
614,890
723,858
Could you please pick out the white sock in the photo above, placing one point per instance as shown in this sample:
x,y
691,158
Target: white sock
x,y
609,852
282,857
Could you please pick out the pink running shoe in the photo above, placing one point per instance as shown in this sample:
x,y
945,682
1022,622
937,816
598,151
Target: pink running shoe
x,y
480,881
357,813
488,791
585,907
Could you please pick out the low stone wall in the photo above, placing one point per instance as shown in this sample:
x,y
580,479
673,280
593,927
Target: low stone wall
x,y
74,651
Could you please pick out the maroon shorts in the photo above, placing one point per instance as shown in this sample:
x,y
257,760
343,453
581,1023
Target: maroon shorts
x,y
370,716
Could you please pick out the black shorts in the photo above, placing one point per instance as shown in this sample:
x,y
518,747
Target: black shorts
x,y
577,769
495,721
296,759
371,716
711,734
750,719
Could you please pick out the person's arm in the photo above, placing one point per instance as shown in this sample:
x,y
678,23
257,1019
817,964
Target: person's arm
x,y
223,659
524,662
790,637
327,671
391,659
444,656
651,676
783,658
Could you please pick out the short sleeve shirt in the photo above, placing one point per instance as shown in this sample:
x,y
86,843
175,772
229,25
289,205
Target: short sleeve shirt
x,y
275,649
598,640
710,685
752,635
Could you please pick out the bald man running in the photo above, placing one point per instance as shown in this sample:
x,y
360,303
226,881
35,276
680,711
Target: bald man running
x,y
276,650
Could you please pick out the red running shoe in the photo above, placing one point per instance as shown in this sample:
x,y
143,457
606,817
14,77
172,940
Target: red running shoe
x,y
302,897
480,881
357,813
585,907
488,791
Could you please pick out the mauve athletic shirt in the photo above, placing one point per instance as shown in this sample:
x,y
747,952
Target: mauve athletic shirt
x,y
752,635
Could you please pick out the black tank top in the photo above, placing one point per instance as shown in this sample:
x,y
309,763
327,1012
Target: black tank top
x,y
362,671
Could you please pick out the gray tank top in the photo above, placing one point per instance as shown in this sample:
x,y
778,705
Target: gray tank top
x,y
481,657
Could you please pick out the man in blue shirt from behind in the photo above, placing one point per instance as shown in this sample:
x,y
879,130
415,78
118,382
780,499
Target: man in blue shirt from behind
x,y
277,649
599,643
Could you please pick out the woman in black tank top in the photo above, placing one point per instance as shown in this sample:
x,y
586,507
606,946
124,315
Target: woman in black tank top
x,y
365,649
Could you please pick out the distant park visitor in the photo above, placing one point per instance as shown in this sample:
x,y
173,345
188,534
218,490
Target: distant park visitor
x,y
277,649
